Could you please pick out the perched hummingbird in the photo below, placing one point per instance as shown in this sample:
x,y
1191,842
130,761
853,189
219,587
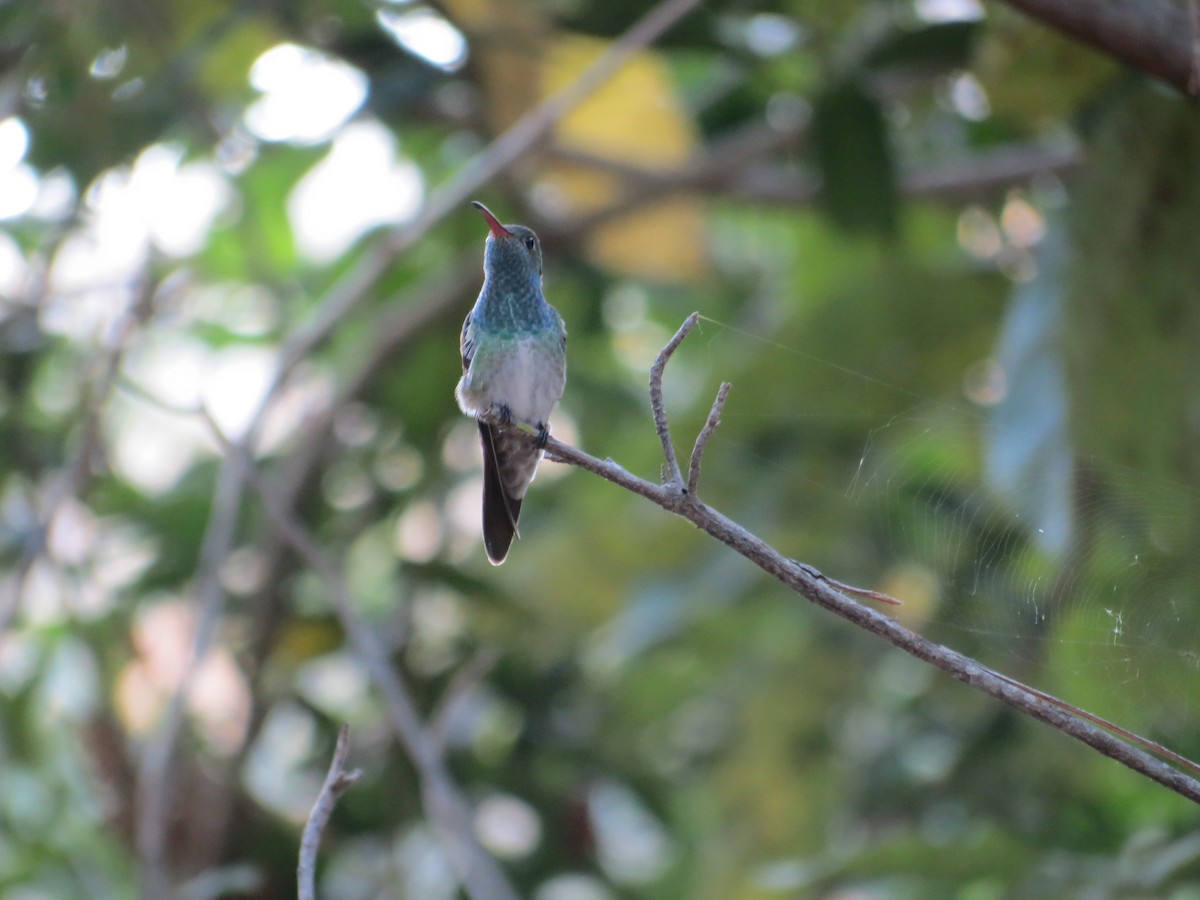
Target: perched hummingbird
x,y
514,355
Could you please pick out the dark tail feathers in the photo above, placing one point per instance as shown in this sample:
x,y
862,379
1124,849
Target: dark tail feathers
x,y
500,511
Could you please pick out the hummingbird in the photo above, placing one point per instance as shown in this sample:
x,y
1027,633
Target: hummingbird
x,y
514,356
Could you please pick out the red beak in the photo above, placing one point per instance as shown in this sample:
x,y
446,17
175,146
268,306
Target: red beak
x,y
498,230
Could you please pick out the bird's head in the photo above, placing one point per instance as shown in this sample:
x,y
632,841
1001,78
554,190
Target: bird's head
x,y
510,248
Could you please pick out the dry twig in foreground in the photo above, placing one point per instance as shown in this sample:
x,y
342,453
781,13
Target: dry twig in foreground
x,y
337,782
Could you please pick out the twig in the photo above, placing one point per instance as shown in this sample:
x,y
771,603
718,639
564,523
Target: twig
x,y
1151,35
337,782
444,804
672,473
823,591
710,426
154,776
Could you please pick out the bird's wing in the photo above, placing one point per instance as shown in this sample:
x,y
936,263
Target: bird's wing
x,y
466,343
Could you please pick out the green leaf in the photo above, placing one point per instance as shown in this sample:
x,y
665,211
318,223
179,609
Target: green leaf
x,y
939,47
850,139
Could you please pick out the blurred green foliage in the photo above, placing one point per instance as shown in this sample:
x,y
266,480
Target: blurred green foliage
x,y
982,400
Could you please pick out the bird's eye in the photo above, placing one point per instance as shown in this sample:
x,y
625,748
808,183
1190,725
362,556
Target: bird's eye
x,y
531,242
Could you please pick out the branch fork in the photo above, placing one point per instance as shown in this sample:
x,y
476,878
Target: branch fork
x,y
672,474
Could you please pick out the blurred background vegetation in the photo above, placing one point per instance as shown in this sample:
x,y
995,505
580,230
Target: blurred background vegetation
x,y
946,257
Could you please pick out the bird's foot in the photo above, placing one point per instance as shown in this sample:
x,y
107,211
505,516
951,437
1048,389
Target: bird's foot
x,y
500,414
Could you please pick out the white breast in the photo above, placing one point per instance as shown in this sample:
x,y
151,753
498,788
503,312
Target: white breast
x,y
530,381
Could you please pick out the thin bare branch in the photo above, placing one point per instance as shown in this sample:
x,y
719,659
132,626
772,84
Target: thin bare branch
x,y
742,168
1151,35
823,591
410,316
710,426
337,782
862,593
671,472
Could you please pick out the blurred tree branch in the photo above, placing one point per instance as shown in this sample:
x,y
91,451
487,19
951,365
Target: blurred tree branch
x,y
447,809
679,497
73,481
738,167
408,319
1156,36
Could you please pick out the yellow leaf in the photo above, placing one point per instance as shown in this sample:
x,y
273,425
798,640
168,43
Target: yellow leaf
x,y
635,119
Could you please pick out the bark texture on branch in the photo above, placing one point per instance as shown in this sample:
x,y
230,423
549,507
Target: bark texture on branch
x,y
1155,36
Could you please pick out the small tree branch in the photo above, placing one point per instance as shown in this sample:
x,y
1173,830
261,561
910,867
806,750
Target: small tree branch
x,y
1194,18
155,770
671,471
337,782
1152,35
828,594
710,425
